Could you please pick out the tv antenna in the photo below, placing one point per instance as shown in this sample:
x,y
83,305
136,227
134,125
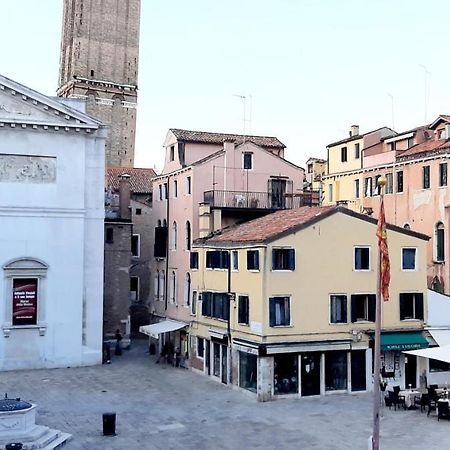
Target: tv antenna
x,y
427,77
246,120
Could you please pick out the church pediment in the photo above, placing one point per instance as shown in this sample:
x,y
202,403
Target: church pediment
x,y
23,106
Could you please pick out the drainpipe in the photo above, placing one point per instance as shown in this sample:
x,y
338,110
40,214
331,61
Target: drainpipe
x,y
230,380
166,280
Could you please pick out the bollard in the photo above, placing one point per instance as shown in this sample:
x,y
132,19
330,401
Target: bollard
x,y
109,424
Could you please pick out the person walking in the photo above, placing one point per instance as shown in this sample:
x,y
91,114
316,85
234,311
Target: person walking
x,y
118,350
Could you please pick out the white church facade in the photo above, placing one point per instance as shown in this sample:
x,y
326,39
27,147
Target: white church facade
x,y
51,231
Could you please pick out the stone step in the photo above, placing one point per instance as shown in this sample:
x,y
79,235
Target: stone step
x,y
51,440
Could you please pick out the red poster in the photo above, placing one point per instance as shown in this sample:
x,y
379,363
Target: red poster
x,y
25,301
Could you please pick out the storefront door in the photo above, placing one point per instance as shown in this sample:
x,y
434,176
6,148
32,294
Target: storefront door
x,y
358,358
224,364
208,357
410,371
310,374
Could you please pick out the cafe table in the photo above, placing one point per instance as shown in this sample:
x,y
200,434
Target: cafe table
x,y
409,395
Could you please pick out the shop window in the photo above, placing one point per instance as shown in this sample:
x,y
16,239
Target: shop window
x,y
200,347
252,259
248,370
443,174
285,374
243,310
408,259
194,260
426,177
217,259
136,245
439,242
283,259
411,306
338,309
279,311
363,307
362,258
336,371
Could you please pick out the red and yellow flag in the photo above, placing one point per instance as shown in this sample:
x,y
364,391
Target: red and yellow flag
x,y
385,275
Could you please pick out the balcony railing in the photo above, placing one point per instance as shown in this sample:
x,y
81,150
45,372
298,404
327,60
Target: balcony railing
x,y
260,200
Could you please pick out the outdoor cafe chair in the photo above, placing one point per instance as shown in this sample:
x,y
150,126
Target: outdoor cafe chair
x,y
443,410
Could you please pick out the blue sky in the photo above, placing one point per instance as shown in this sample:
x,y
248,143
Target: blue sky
x,y
312,67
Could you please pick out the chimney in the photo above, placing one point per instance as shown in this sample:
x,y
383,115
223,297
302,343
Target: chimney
x,y
354,130
447,131
228,144
124,196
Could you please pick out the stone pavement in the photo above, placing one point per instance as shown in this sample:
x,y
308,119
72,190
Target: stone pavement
x,y
161,407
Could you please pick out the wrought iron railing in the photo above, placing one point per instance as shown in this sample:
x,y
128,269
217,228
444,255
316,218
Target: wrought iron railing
x,y
260,200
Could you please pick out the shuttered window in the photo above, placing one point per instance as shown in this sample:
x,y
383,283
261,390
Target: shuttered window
x,y
279,311
363,307
252,260
283,259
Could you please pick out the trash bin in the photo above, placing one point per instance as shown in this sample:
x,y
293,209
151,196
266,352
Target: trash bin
x,y
14,446
109,424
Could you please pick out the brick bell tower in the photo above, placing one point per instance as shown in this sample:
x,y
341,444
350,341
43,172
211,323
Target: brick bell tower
x,y
99,62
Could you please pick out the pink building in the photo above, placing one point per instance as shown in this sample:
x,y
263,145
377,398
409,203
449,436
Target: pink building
x,y
210,181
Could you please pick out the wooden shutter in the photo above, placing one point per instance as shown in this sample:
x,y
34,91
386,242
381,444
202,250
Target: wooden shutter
x,y
287,311
419,306
226,306
354,300
256,253
291,259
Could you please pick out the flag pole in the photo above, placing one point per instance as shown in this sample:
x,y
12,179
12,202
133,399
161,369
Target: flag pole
x,y
377,352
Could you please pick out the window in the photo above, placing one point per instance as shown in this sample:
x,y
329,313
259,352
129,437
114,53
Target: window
x,y
109,235
399,181
134,289
392,146
166,191
357,151
356,183
217,259
235,260
243,310
368,187
200,347
92,73
252,259
216,305
438,366
443,174
283,259
363,307
426,177
376,186
174,236
162,286
136,245
194,303
248,160
330,192
248,370
411,306
156,286
407,226
25,301
138,211
194,260
187,290
408,259
188,235
172,152
439,243
188,185
175,188
310,168
336,371
285,374
279,311
343,154
173,287
160,246
410,142
389,184
160,191
338,309
362,258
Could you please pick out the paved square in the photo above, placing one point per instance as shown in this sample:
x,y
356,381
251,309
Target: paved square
x,y
161,407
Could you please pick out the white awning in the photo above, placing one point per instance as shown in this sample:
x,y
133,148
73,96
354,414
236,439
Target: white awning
x,y
439,353
442,337
155,329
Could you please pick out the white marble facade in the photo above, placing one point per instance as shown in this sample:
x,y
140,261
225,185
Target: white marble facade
x,y
51,231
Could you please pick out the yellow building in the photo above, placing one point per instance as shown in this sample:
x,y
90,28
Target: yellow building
x,y
285,304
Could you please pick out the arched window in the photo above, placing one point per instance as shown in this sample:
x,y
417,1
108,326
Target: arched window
x,y
188,235
187,290
158,224
164,223
407,226
162,285
439,242
174,236
437,286
173,287
156,287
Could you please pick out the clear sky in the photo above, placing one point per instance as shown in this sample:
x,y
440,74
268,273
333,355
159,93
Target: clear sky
x,y
312,67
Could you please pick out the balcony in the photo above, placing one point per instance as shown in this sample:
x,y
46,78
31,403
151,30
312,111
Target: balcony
x,y
260,200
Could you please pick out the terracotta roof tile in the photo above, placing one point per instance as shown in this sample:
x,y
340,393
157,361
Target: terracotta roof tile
x,y
218,138
431,146
266,227
140,179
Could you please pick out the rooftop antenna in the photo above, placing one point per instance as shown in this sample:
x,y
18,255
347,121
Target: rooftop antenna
x,y
244,119
427,76
392,110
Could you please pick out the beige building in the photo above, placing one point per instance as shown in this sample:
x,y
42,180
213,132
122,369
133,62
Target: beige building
x,y
284,305
99,62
